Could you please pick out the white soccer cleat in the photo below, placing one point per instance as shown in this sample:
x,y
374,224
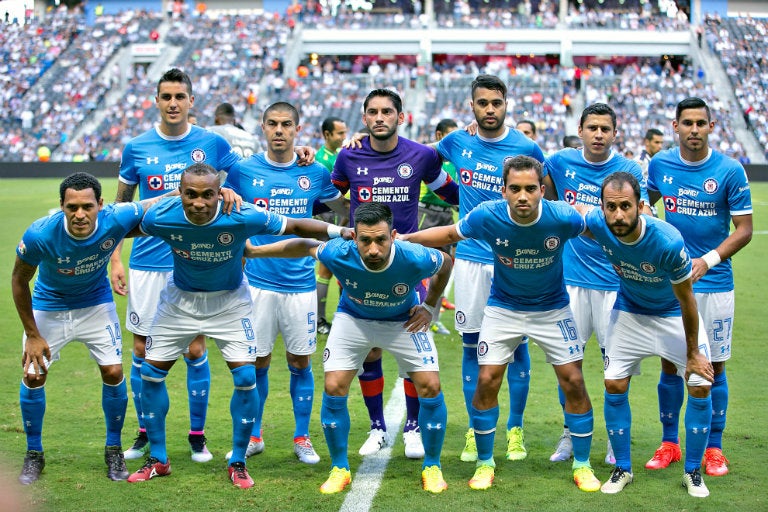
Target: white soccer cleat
x,y
377,439
414,448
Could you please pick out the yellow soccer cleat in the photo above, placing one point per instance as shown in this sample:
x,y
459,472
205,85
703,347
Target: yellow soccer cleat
x,y
585,479
432,480
483,477
337,481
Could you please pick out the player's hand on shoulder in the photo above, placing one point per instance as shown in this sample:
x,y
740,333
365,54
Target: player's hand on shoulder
x,y
347,233
230,199
471,128
354,142
306,155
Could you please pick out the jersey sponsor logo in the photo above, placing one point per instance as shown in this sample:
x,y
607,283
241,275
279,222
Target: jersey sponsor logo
x,y
570,174
569,196
257,182
182,253
351,284
466,154
504,242
261,202
507,262
225,238
62,260
155,182
405,171
22,247
670,203
551,243
67,271
364,194
177,238
482,348
362,170
286,191
383,179
153,160
648,268
710,186
304,183
133,318
461,318
466,176
400,289
197,155
107,244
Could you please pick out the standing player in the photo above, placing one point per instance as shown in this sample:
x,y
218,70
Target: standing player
x,y
654,315
334,132
71,301
527,128
576,176
207,294
653,142
284,291
243,143
379,307
527,300
389,169
480,160
703,192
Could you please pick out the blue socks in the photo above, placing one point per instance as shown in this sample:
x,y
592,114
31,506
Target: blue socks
x,y
114,402
198,387
32,401
154,407
469,369
618,422
334,417
671,391
243,408
698,417
719,396
519,377
433,416
302,392
262,385
581,426
136,387
484,423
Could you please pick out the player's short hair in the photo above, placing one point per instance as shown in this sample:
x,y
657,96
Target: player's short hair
x,y
653,132
282,106
329,123
199,169
444,124
384,93
80,181
692,102
529,122
598,109
224,109
370,214
522,163
490,82
571,141
617,180
175,75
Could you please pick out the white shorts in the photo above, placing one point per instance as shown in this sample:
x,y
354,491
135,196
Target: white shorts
x,y
145,288
351,339
591,311
632,337
504,330
97,327
292,314
226,316
472,287
717,311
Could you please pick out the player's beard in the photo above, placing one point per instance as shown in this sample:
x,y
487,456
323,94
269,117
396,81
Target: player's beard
x,y
624,229
384,136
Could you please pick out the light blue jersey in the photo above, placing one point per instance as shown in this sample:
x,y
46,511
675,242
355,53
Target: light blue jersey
x,y
479,164
646,267
386,294
579,182
154,162
72,272
288,190
208,258
528,263
699,200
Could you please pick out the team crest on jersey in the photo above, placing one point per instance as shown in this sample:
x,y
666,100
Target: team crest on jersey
x,y
670,203
569,196
149,343
461,318
133,318
155,182
400,289
22,247
261,202
606,362
197,155
710,186
482,348
551,243
107,244
225,238
507,262
405,171
304,183
648,268
364,194
326,354
181,252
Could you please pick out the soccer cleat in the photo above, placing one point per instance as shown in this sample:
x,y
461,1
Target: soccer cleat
x,y
304,450
439,328
337,481
469,453
610,458
617,482
715,462
239,475
483,477
115,460
664,456
323,326
34,462
432,480
516,444
152,468
140,447
446,304
414,449
585,479
255,447
197,443
377,439
693,482
564,448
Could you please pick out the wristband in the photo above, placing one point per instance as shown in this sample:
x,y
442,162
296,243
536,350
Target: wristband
x,y
334,231
430,309
712,258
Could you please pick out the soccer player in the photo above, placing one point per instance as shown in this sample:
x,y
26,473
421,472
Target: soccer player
x,y
379,307
389,169
703,191
527,128
71,301
528,300
653,142
576,176
243,143
207,295
334,131
654,314
479,161
284,291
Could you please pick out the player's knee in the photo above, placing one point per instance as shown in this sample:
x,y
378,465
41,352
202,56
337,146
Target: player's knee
x,y
197,348
616,387
111,374
152,373
139,345
373,355
244,377
298,361
699,391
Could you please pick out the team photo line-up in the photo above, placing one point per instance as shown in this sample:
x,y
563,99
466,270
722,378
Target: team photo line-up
x,y
239,240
